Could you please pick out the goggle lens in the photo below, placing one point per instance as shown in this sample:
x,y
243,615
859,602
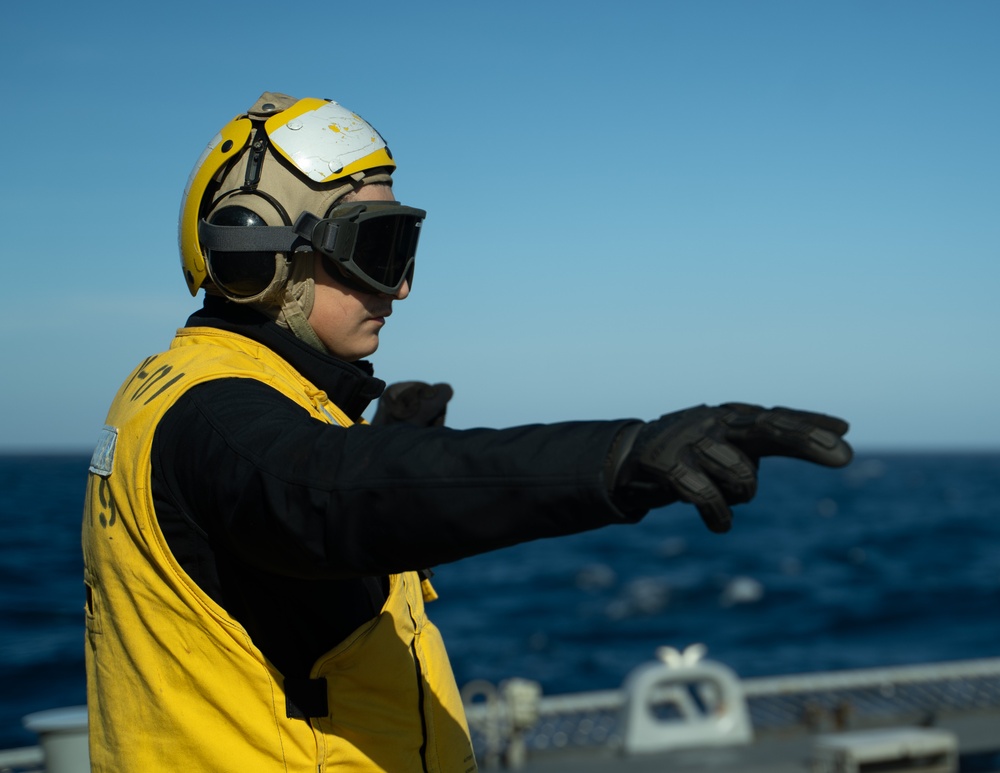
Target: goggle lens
x,y
386,247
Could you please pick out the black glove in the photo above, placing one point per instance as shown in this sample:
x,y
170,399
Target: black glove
x,y
414,403
708,456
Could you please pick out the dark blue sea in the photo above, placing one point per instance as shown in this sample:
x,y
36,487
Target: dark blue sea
x,y
893,560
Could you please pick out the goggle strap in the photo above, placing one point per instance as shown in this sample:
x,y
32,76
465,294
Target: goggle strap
x,y
237,238
309,233
323,239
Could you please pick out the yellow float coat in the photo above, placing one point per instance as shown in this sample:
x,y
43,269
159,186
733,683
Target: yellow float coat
x,y
175,683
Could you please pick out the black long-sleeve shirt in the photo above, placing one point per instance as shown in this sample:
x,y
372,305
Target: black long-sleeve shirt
x,y
292,525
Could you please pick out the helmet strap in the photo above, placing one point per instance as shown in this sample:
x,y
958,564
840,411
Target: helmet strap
x,y
297,300
294,318
255,160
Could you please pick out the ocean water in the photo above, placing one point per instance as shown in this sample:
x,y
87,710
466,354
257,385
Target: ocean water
x,y
893,560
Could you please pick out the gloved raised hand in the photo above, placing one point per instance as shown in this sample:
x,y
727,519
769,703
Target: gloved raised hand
x,y
708,456
413,402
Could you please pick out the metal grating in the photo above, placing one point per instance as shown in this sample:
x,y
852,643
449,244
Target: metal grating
x,y
803,703
871,696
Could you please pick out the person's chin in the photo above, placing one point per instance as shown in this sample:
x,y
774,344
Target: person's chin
x,y
370,348
358,350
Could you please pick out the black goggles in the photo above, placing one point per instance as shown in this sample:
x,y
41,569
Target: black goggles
x,y
373,243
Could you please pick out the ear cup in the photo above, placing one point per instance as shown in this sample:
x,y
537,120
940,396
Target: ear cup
x,y
240,274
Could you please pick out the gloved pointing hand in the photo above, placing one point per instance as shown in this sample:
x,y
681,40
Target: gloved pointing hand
x,y
708,456
413,402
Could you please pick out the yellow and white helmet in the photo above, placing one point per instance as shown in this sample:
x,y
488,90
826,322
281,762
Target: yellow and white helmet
x,y
282,158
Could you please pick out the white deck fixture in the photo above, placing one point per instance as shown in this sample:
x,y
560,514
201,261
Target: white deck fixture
x,y
62,736
681,701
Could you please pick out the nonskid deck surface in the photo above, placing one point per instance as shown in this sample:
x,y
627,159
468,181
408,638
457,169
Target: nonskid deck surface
x,y
788,714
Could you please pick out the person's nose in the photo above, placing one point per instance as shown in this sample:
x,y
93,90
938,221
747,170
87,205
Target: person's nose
x,y
403,291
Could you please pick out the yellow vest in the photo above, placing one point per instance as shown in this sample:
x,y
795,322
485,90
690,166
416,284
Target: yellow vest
x,y
176,684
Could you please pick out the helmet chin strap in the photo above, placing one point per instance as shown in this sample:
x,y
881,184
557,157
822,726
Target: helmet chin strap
x,y
291,316
297,303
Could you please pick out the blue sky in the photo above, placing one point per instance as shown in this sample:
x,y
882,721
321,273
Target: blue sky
x,y
633,207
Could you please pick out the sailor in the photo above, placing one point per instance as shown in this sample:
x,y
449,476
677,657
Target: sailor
x,y
254,551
